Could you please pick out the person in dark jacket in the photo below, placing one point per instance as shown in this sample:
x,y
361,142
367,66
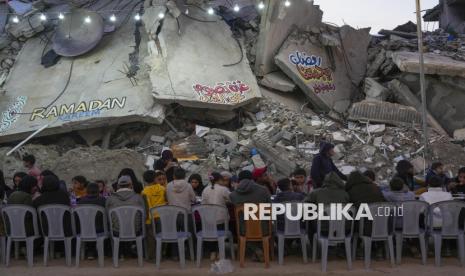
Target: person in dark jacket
x,y
406,171
362,190
332,191
5,191
249,192
52,194
24,193
286,193
17,177
166,163
49,172
458,186
322,164
137,186
93,198
196,182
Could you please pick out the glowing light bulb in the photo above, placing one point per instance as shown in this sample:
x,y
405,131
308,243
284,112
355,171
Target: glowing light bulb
x,y
210,11
137,17
61,16
261,6
236,8
161,15
287,3
112,18
187,11
43,17
87,20
15,19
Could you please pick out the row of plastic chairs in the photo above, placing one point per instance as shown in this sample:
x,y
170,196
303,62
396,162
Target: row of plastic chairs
x,y
51,220
416,223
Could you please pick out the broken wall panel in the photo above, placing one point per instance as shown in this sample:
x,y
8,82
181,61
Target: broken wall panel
x,y
320,71
384,112
277,22
98,94
198,64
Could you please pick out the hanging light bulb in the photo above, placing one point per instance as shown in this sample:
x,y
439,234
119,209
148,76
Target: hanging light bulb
x,y
43,17
287,3
261,5
161,15
187,11
236,8
61,16
15,19
210,11
112,18
137,17
87,19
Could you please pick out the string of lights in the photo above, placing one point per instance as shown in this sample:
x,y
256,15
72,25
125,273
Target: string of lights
x,y
113,18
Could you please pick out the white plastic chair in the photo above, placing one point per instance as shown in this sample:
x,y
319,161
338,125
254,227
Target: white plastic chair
x,y
169,231
51,219
14,217
209,215
127,218
86,215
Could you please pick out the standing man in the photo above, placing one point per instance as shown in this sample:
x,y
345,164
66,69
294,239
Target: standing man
x,y
323,164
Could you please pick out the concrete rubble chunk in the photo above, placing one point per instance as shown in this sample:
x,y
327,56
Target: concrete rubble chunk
x,y
339,136
459,134
434,64
355,43
374,90
406,97
384,112
97,95
418,164
182,71
319,71
278,81
26,28
158,139
279,21
376,128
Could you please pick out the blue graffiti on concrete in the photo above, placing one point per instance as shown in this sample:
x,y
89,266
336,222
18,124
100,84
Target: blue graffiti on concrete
x,y
12,113
78,115
300,58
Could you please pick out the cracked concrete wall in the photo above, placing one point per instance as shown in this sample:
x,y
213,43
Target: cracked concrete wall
x,y
99,92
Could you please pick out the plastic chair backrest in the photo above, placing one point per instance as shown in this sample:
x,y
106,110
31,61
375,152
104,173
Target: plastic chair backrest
x,y
411,216
253,229
87,217
450,214
337,229
210,216
382,225
51,218
14,217
126,217
168,215
292,227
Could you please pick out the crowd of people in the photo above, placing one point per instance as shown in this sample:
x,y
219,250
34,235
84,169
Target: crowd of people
x,y
167,183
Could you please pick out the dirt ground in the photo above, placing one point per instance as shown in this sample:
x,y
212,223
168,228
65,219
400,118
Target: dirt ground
x,y
292,266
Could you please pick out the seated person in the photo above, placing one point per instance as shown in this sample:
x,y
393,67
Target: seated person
x,y
458,186
397,193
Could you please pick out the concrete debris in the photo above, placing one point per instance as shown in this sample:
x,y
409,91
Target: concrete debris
x,y
434,64
375,91
26,28
278,81
459,134
384,112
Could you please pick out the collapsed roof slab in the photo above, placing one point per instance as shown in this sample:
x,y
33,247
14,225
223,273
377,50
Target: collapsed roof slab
x,y
320,71
434,64
98,93
199,64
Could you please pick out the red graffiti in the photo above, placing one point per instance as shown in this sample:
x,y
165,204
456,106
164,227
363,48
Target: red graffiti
x,y
323,87
229,92
315,73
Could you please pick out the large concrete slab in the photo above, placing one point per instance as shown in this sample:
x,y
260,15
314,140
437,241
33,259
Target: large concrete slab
x,y
188,63
318,70
98,94
277,22
434,64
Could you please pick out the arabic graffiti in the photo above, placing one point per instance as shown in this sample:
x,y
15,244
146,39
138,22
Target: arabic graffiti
x,y
311,70
228,92
12,113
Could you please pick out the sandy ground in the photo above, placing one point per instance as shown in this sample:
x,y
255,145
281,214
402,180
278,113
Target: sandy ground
x,y
292,266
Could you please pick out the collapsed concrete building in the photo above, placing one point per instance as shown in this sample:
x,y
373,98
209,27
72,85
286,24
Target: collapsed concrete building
x,y
185,75
449,13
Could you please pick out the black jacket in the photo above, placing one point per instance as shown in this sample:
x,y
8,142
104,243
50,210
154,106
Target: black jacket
x,y
52,194
362,190
249,192
322,164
